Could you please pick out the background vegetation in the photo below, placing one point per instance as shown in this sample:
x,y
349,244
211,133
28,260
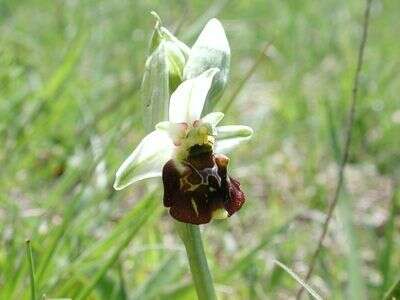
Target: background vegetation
x,y
70,112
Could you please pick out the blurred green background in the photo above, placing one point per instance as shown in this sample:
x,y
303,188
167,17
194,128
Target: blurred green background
x,y
70,112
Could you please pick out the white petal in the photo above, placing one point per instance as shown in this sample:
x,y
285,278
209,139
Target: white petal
x,y
187,101
213,118
146,161
229,137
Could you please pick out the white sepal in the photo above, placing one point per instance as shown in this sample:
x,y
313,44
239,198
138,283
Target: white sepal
x,y
146,161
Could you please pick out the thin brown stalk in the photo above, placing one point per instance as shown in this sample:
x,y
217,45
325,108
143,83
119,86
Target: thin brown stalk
x,y
182,20
347,143
247,76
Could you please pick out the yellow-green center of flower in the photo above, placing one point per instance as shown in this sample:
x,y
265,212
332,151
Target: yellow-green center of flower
x,y
197,134
219,214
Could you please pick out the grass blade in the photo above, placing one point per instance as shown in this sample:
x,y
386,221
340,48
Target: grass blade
x,y
139,223
98,249
246,258
56,238
158,280
64,71
31,269
356,287
257,62
347,143
299,280
199,23
345,211
52,88
387,252
394,292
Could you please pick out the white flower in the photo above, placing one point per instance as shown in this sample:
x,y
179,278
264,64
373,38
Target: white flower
x,y
172,139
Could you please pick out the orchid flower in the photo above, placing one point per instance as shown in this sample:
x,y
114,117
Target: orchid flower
x,y
188,151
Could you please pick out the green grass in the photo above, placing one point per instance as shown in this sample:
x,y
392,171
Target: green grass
x,y
70,112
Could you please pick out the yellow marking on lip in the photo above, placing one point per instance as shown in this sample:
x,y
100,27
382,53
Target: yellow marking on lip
x,y
184,181
194,205
219,214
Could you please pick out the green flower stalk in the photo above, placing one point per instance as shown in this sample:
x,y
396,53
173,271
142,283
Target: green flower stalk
x,y
186,148
191,237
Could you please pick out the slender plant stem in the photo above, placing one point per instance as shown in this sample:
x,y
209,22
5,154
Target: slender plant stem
x,y
347,143
191,237
31,269
247,76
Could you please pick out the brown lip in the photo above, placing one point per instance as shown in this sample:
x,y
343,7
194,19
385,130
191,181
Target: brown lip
x,y
196,187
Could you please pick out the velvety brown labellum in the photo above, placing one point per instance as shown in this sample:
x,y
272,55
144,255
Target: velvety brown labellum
x,y
196,187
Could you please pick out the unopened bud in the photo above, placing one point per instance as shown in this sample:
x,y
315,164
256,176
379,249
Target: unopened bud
x,y
211,50
163,73
176,52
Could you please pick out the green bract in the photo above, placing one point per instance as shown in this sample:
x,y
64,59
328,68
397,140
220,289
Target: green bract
x,y
155,87
176,52
163,72
211,50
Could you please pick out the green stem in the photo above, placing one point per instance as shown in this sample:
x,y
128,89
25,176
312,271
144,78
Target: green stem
x,y
191,237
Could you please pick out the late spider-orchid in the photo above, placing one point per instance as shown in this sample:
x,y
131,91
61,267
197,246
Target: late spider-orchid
x,y
188,151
